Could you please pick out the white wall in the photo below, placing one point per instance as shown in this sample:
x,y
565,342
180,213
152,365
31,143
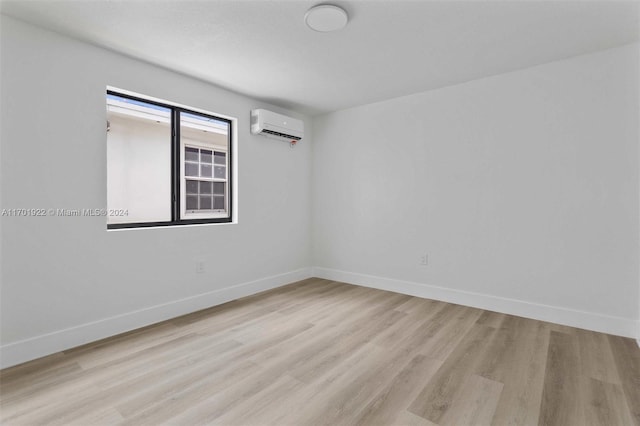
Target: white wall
x,y
522,188
67,280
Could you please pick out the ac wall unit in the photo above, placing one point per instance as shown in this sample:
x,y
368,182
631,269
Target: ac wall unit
x,y
276,126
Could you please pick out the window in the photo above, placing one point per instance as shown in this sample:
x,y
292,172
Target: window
x,y
203,173
166,165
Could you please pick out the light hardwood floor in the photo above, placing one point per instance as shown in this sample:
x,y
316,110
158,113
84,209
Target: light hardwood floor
x,y
325,353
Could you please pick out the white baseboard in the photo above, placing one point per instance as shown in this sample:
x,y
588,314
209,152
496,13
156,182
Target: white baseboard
x,y
591,321
46,344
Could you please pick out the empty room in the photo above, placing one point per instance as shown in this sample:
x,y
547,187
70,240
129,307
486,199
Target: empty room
x,y
360,212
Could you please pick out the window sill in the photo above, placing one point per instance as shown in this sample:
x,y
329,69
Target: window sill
x,y
186,225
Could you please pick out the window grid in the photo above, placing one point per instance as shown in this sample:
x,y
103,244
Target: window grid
x,y
206,179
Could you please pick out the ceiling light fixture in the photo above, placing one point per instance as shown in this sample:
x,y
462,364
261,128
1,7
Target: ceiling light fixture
x,y
325,18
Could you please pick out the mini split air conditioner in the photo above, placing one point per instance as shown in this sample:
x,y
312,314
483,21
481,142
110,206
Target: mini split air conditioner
x,y
276,126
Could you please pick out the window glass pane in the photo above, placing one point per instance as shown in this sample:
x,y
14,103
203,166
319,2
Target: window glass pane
x,y
203,120
218,188
138,161
191,154
191,169
205,156
115,102
206,187
196,130
218,203
205,170
192,187
192,202
211,138
220,158
205,203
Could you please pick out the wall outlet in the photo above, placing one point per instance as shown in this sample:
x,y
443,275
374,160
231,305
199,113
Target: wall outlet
x,y
199,267
424,259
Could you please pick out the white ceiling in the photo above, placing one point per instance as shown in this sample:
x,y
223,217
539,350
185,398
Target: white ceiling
x,y
389,48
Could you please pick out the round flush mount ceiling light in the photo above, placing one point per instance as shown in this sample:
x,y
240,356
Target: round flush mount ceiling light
x,y
325,18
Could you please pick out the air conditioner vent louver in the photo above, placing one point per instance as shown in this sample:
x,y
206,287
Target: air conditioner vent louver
x,y
282,135
276,126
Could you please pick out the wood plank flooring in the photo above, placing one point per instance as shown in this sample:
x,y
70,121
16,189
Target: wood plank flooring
x,y
325,353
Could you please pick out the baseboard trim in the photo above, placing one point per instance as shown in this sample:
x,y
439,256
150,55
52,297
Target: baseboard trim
x,y
587,320
26,350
